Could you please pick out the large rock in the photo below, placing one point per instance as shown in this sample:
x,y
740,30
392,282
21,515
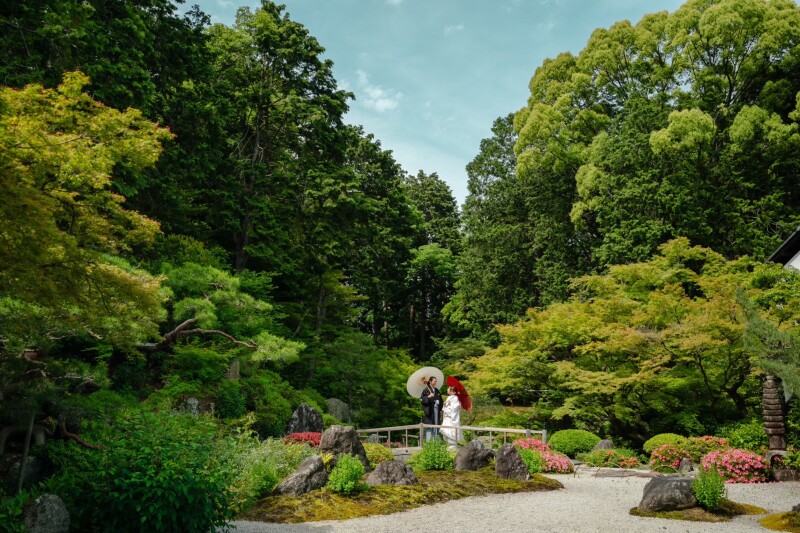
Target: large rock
x,y
604,444
47,514
392,473
338,409
305,418
310,475
343,439
668,494
473,456
508,464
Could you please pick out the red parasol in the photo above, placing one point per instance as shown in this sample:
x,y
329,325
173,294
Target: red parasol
x,y
461,392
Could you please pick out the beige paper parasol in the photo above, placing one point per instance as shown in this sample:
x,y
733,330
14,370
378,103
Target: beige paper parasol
x,y
418,380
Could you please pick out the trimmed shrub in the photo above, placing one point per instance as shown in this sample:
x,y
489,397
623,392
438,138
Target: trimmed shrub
x,y
571,442
667,456
531,444
556,463
433,456
311,438
709,488
737,466
620,457
663,438
345,478
377,453
700,446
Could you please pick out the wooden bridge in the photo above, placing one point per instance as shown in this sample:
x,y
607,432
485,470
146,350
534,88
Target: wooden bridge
x,y
416,433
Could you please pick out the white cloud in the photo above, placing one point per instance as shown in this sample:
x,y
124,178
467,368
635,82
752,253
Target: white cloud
x,y
449,30
376,97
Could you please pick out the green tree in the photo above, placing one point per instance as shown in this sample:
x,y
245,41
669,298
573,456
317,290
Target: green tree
x,y
62,222
684,124
497,269
645,348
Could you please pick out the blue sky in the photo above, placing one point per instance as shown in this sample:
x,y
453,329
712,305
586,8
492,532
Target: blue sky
x,y
430,76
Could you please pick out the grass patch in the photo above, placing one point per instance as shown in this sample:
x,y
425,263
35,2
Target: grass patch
x,y
726,511
434,486
782,522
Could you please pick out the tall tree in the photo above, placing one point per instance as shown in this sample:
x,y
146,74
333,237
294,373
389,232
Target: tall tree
x,y
432,271
497,269
683,124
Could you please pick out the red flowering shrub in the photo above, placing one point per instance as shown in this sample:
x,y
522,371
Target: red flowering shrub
x,y
532,444
737,466
556,462
667,455
307,437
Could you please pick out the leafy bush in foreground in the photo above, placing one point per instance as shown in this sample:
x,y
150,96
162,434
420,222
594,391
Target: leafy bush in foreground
x,y
163,470
345,478
709,488
433,456
571,442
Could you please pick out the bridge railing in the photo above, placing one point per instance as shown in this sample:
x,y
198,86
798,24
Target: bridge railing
x,y
416,433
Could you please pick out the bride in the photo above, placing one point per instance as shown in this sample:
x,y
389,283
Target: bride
x,y
452,418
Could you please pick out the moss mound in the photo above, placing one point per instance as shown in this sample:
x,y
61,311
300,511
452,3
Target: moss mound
x,y
727,510
435,486
782,522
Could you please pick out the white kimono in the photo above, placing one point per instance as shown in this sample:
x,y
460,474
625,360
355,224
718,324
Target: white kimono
x,y
452,417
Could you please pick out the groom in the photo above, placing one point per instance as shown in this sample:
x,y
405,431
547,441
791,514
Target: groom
x,y
431,407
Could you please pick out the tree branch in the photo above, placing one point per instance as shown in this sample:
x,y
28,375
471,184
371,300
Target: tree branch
x,y
182,330
62,425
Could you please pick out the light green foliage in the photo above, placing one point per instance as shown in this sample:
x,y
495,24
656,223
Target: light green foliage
x,y
169,464
663,438
647,347
60,217
709,488
377,453
533,460
746,435
433,456
571,442
345,478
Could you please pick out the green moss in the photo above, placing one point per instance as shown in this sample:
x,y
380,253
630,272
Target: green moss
x,y
726,511
438,486
782,522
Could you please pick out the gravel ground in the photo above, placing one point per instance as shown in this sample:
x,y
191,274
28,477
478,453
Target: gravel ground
x,y
588,503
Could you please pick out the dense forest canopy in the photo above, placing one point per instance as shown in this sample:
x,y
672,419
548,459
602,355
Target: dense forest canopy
x,y
181,201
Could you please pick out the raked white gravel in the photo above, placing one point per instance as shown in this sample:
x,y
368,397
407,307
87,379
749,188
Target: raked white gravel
x,y
587,504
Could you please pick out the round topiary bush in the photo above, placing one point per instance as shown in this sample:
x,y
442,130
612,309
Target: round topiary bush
x,y
377,453
737,466
661,439
668,457
571,442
